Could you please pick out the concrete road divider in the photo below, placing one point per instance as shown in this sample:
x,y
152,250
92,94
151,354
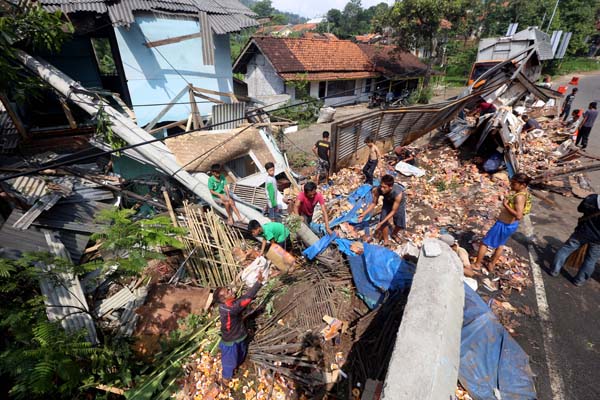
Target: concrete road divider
x,y
425,359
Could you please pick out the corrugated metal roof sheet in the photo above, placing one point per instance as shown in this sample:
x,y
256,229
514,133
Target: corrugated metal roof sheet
x,y
221,113
64,298
29,187
121,12
15,242
222,24
9,136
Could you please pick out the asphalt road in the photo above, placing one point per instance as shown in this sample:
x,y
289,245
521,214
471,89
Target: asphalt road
x,y
574,312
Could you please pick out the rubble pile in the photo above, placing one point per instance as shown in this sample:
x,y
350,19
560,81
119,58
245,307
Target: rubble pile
x,y
204,374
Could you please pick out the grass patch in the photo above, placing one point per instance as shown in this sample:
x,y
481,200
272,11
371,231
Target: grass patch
x,y
571,65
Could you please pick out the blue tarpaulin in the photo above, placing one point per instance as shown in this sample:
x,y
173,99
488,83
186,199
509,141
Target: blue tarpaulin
x,y
386,269
365,289
490,359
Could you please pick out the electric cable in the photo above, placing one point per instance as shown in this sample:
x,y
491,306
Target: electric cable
x,y
131,146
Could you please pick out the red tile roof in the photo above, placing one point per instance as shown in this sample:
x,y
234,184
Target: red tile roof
x,y
328,76
391,61
322,59
297,55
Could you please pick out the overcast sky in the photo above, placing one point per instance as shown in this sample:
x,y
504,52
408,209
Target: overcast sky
x,y
318,8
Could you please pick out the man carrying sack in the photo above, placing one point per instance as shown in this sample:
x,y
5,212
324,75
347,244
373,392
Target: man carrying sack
x,y
587,232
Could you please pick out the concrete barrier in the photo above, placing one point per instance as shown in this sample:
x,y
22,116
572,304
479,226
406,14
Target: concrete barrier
x,y
425,359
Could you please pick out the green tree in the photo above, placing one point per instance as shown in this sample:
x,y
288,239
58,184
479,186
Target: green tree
x,y
579,17
29,28
131,243
263,8
422,24
38,359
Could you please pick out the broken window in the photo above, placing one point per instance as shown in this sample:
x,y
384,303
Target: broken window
x,y
104,57
340,88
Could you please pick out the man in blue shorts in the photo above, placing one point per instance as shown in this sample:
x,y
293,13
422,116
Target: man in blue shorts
x,y
514,206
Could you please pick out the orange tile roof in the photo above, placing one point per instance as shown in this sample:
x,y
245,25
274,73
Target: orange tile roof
x,y
298,55
325,59
328,76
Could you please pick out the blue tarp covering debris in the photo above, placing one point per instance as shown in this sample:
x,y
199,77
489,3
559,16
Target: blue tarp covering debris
x,y
366,290
491,361
374,272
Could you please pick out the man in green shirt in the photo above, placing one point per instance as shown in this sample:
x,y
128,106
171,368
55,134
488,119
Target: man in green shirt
x,y
272,232
220,193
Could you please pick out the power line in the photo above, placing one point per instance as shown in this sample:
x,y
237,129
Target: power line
x,y
131,146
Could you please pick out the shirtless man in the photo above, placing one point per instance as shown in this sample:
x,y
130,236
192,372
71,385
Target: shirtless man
x,y
393,209
374,154
514,207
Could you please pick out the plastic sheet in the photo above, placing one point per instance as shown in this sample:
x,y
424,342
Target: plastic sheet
x,y
366,290
319,246
492,364
386,269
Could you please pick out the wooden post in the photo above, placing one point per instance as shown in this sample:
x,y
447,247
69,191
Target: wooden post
x,y
194,106
170,208
162,112
68,113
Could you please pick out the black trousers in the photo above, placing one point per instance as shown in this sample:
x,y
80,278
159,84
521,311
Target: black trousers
x,y
583,135
369,171
565,113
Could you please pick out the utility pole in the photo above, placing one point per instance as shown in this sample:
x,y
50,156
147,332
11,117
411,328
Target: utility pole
x,y
552,17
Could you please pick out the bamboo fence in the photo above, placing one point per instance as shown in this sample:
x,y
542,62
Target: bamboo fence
x,y
212,264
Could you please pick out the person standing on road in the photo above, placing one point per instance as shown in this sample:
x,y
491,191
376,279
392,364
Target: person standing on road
x,y
587,232
589,117
374,154
321,150
517,204
567,104
393,209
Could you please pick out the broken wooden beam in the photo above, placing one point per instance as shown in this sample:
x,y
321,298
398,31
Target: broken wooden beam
x,y
176,39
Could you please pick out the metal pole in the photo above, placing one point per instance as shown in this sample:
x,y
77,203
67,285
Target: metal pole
x,y
552,17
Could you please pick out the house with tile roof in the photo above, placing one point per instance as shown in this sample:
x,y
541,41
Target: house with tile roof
x,y
338,71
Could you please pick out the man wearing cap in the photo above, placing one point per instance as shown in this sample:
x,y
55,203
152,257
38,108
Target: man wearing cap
x,y
462,254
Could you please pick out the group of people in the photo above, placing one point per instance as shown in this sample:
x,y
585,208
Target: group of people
x,y
392,219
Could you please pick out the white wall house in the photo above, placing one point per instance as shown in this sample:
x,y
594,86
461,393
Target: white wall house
x,y
337,71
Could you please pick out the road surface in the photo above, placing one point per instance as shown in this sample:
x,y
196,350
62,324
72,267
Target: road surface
x,y
569,338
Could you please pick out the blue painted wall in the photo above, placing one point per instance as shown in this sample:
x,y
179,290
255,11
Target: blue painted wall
x,y
151,79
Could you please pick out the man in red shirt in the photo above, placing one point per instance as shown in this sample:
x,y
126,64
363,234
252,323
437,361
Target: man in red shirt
x,y
306,202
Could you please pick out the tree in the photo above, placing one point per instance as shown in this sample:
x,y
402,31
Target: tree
x,y
29,28
579,17
263,8
352,20
422,23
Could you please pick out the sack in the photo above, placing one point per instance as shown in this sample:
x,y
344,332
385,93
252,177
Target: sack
x,y
250,273
576,258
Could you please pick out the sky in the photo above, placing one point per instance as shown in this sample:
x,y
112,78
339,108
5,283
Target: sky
x,y
318,8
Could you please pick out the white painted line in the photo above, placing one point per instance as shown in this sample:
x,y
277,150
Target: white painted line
x,y
556,382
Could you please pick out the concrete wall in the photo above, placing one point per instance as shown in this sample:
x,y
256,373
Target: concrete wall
x,y
153,74
262,79
425,360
